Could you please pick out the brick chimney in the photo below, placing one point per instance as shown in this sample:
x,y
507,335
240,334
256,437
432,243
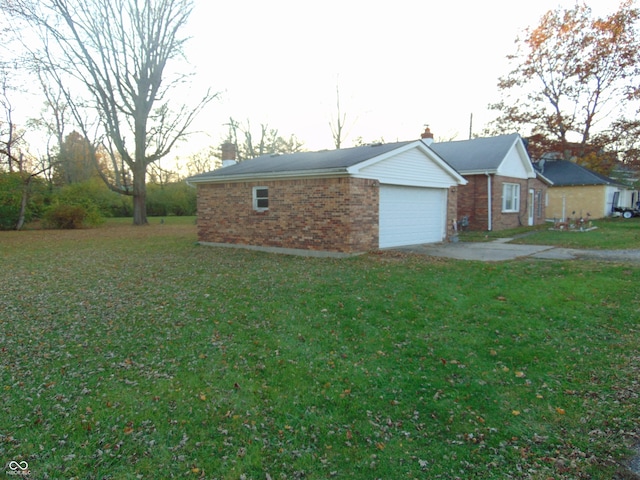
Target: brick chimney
x,y
427,136
228,154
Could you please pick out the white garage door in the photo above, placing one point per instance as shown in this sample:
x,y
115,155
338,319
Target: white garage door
x,y
411,215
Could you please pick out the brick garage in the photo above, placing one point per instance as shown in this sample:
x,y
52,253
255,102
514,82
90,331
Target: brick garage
x,y
326,214
328,201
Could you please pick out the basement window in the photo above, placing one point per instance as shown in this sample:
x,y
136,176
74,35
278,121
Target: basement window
x,y
261,198
510,197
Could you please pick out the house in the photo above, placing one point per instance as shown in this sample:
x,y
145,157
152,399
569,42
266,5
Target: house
x,y
574,190
503,189
350,200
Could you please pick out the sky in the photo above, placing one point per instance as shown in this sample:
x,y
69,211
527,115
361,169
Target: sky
x,y
398,65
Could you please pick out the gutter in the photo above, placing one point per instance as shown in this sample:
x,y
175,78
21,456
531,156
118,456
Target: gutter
x,y
334,172
489,203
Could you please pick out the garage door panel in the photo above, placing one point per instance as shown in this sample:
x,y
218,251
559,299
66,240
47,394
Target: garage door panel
x,y
411,215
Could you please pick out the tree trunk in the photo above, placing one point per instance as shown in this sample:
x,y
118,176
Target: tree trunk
x,y
140,195
23,202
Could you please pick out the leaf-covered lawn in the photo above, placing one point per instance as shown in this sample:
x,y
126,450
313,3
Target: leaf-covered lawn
x,y
134,353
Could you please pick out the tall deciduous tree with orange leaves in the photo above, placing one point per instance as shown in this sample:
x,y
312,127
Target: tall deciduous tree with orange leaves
x,y
574,78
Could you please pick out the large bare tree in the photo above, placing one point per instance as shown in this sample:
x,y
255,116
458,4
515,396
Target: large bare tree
x,y
113,60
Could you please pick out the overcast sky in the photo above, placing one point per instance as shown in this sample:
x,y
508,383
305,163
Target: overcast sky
x,y
399,65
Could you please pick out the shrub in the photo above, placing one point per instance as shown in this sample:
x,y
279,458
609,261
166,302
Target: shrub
x,y
95,194
67,216
12,186
172,199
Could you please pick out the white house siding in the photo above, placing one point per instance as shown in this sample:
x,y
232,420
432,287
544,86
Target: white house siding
x,y
412,168
513,165
411,215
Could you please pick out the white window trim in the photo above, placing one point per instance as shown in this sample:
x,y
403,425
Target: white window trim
x,y
515,198
256,198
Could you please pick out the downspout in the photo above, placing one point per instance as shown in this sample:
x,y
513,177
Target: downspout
x,y
489,202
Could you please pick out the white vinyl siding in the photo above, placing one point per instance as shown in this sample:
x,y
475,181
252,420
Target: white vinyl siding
x,y
410,168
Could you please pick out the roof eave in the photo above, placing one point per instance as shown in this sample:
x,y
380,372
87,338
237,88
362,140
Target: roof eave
x,y
333,172
546,180
484,171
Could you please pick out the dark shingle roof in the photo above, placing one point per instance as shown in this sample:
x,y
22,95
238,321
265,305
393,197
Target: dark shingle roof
x,y
476,154
329,160
566,173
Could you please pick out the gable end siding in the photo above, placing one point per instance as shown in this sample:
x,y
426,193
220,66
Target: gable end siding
x,y
513,165
332,214
410,168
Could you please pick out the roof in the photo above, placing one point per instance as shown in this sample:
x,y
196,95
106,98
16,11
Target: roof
x,y
565,173
478,154
326,161
348,161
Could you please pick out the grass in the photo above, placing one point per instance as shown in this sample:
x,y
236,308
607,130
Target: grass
x,y
133,353
609,234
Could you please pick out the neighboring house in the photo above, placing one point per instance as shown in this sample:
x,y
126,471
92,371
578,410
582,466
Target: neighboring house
x,y
574,190
350,200
503,190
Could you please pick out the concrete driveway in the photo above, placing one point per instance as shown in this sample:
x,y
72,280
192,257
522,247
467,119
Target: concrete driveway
x,y
501,250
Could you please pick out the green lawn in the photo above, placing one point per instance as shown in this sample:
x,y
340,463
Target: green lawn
x,y
611,233
132,352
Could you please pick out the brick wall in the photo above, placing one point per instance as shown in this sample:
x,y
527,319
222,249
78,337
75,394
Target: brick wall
x,y
336,214
581,199
452,211
473,202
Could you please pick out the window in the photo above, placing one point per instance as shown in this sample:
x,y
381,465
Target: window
x,y
261,198
539,204
511,197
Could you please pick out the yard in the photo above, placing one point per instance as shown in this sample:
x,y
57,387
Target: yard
x,y
131,353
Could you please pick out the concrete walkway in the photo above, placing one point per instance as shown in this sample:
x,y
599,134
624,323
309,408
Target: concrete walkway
x,y
501,250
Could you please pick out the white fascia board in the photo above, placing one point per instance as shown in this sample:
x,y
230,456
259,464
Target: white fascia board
x,y
484,171
418,144
546,180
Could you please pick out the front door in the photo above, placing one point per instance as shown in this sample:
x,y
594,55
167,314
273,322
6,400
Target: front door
x,y
532,209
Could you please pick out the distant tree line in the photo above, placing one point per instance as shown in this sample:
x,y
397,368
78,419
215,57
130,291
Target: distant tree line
x,y
70,193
